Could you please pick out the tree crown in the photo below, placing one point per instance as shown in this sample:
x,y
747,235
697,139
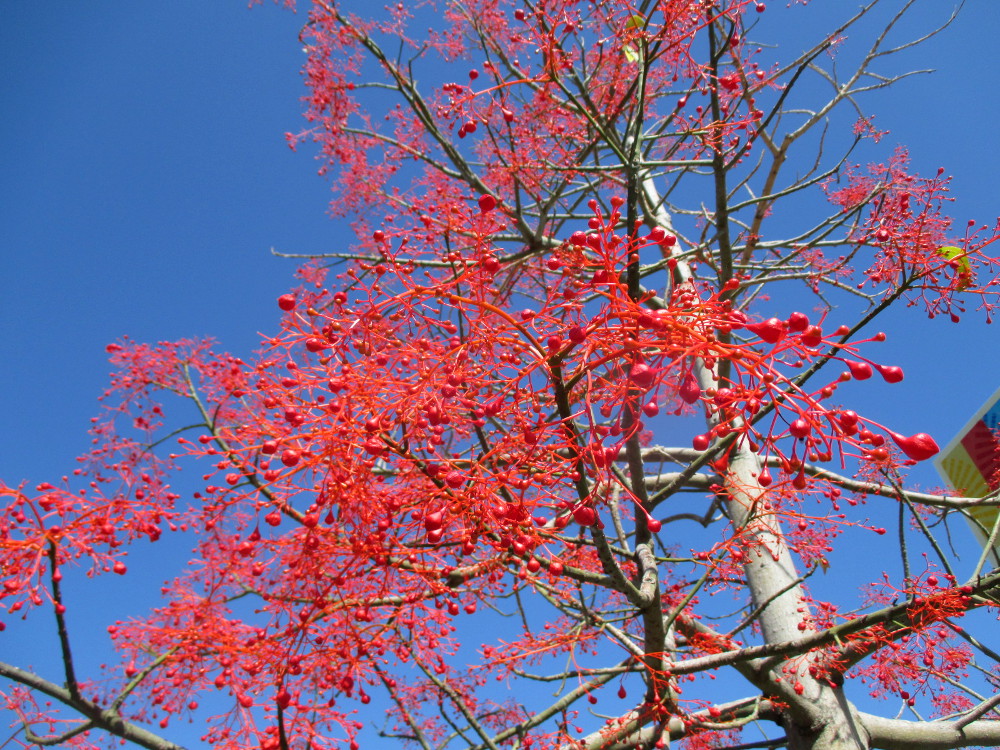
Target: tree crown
x,y
477,412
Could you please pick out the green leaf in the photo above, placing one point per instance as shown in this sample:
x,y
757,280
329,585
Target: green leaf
x,y
634,23
959,260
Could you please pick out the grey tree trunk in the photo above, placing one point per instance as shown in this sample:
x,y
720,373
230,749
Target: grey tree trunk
x,y
820,717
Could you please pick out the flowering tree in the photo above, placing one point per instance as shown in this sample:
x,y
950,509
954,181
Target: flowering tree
x,y
556,439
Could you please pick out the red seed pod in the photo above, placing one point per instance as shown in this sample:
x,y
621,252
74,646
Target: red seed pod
x,y
286,302
487,203
289,457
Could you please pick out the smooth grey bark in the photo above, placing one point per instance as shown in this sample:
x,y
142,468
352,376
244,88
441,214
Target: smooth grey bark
x,y
896,734
819,716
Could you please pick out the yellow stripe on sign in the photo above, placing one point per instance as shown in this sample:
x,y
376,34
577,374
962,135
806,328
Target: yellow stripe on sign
x,y
983,519
961,472
957,467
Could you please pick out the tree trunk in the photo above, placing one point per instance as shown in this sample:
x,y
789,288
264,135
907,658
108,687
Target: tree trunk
x,y
819,716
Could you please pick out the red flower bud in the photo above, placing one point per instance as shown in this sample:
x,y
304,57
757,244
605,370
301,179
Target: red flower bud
x,y
642,375
771,330
799,428
689,390
859,370
584,515
798,322
918,447
890,373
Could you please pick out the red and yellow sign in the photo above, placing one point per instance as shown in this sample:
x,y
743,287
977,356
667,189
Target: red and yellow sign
x,y
970,463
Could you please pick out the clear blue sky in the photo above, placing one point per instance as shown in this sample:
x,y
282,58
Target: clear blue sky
x,y
144,177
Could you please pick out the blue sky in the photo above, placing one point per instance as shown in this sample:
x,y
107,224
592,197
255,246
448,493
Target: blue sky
x,y
144,177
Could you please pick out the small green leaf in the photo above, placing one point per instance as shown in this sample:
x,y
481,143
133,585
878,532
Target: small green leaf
x,y
958,258
635,22
632,24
